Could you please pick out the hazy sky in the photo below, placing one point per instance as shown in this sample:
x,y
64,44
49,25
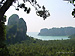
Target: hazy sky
x,y
60,15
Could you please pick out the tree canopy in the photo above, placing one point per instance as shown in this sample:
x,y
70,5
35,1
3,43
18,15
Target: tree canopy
x,y
73,3
5,4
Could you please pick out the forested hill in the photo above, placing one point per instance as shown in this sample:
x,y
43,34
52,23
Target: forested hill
x,y
16,29
63,31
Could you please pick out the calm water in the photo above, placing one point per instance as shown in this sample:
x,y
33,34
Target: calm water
x,y
35,35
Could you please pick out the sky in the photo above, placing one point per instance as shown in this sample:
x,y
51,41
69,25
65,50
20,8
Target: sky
x,y
60,15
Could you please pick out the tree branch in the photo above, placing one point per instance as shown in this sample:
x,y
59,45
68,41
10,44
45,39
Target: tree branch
x,y
5,7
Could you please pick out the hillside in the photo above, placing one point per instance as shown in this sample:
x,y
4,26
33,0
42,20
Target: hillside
x,y
43,48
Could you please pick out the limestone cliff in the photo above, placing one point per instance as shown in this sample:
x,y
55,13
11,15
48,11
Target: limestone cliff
x,y
16,29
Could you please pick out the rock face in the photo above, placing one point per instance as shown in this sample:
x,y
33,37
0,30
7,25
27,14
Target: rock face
x,y
22,25
16,29
13,19
66,31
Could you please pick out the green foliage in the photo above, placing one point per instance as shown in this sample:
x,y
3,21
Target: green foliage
x,y
43,48
43,13
4,51
73,12
2,31
3,48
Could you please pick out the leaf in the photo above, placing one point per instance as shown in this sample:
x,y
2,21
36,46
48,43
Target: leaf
x,y
73,12
35,1
38,5
22,5
73,1
35,8
28,11
43,7
44,17
25,9
32,0
17,9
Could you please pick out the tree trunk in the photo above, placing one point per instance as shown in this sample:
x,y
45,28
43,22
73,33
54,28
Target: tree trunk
x,y
3,49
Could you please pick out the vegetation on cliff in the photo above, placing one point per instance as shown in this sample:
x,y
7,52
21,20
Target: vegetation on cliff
x,y
16,29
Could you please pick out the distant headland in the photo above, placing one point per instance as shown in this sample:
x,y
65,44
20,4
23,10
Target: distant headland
x,y
63,31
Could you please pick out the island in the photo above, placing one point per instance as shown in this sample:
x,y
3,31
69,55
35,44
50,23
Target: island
x,y
63,31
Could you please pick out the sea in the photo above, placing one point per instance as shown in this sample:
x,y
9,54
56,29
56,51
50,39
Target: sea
x,y
35,35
